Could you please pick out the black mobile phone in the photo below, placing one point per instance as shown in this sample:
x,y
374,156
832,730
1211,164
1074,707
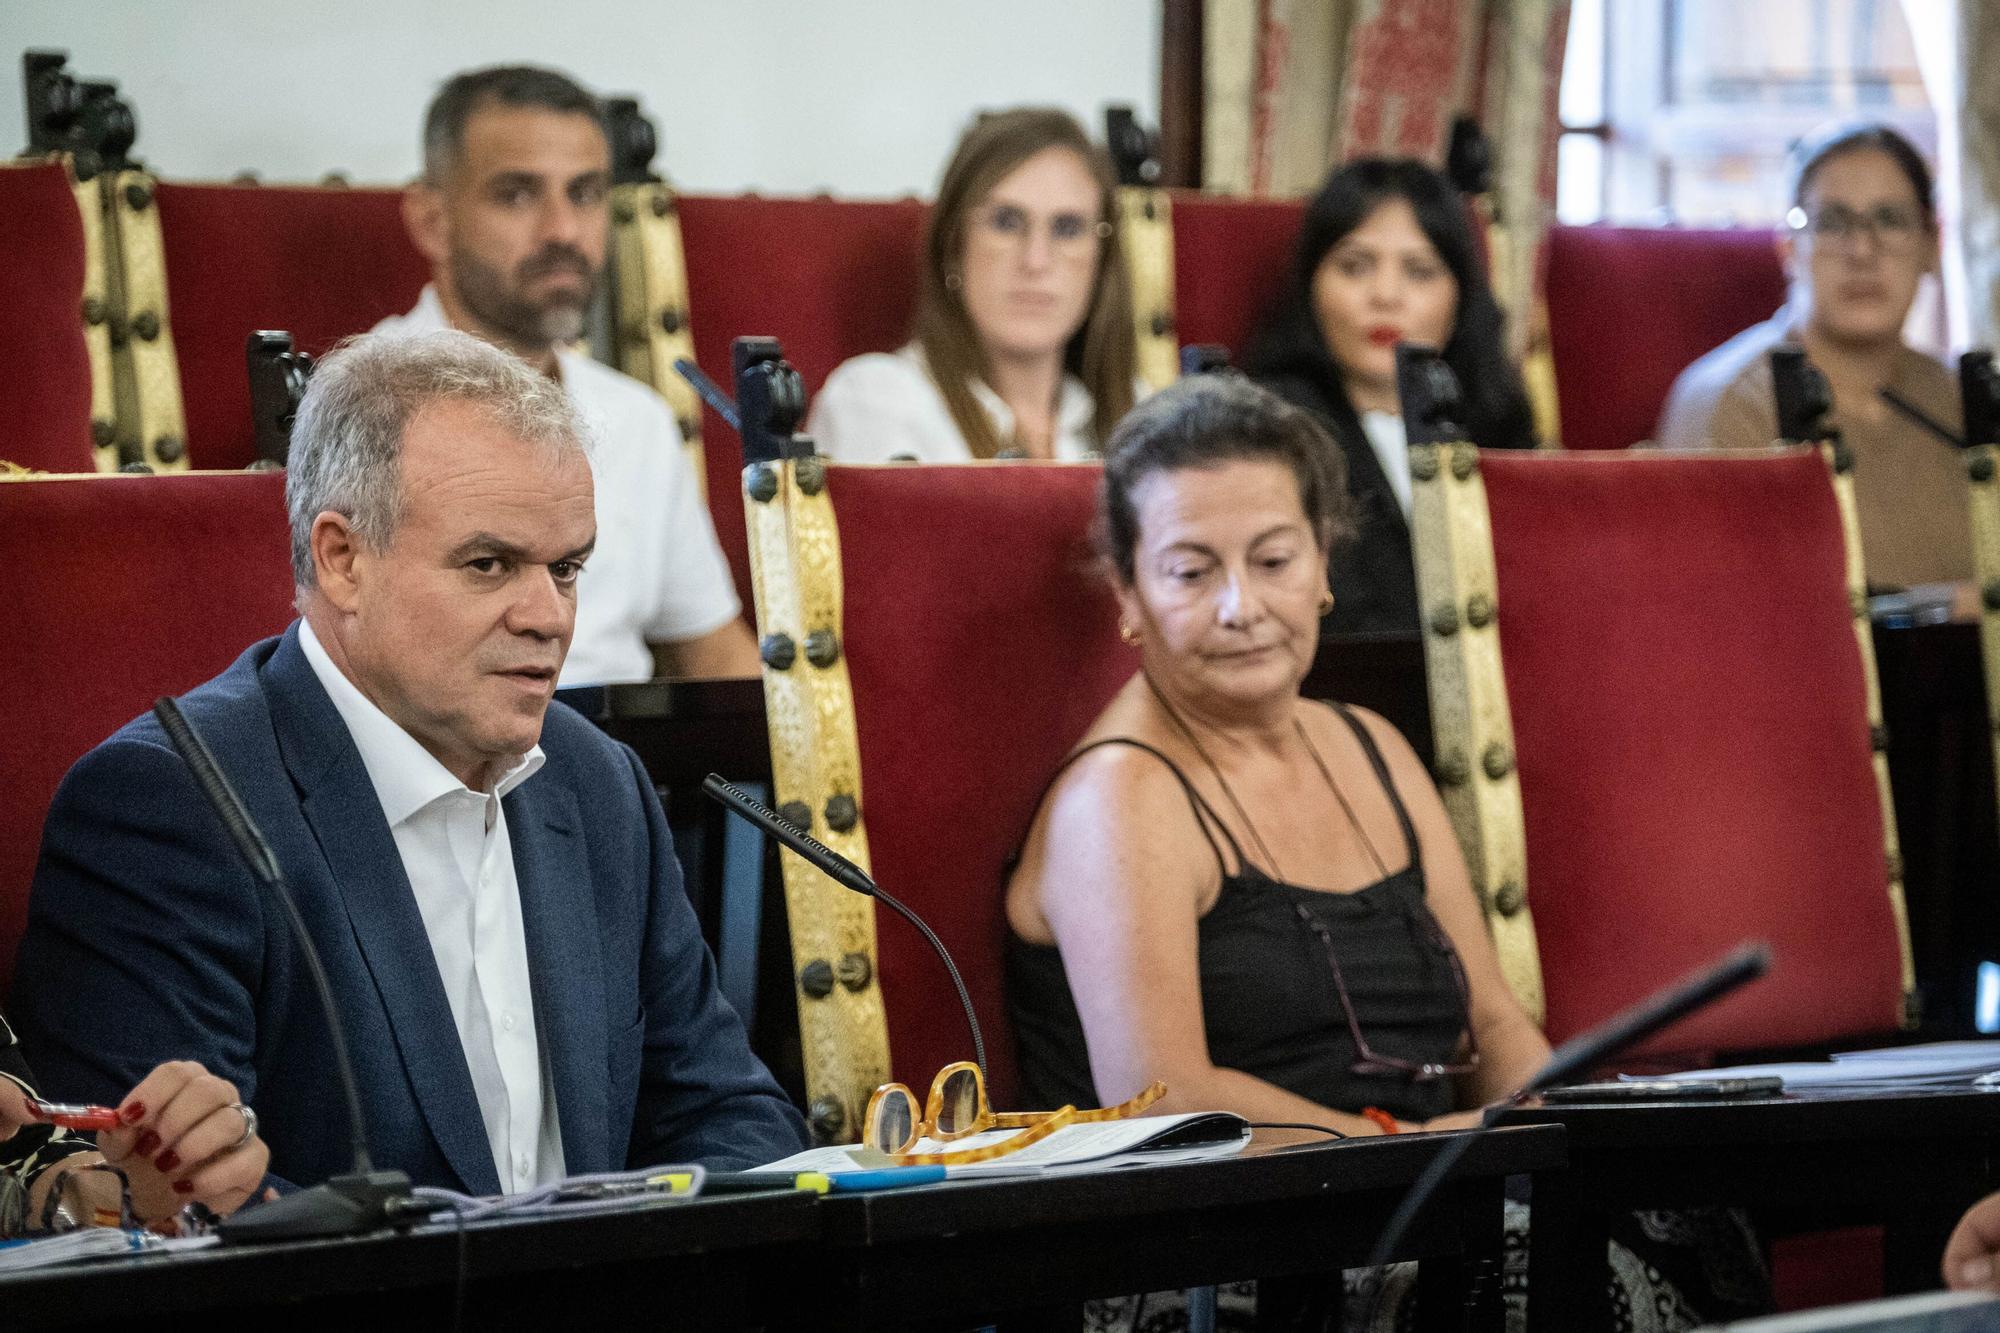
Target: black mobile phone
x,y
1662,1090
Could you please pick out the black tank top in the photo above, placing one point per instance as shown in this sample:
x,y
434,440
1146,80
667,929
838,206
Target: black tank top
x,y
1270,1007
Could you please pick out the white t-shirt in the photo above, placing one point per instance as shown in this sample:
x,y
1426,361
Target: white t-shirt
x,y
1391,444
657,573
885,404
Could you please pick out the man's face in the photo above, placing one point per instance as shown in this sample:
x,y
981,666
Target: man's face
x,y
516,233
458,627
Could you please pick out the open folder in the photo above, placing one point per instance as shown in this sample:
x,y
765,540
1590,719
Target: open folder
x,y
1141,1141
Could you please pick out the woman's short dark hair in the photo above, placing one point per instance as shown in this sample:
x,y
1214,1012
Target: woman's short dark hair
x,y
1831,141
1204,421
1289,340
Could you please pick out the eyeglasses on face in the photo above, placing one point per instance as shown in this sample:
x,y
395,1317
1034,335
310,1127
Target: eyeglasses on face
x,y
1009,226
1368,1062
1895,229
957,1109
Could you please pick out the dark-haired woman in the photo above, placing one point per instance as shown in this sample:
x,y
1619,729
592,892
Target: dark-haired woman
x,y
1024,344
1386,254
1861,234
1255,897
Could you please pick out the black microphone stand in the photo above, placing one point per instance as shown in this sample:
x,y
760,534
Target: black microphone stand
x,y
1580,1053
849,876
365,1198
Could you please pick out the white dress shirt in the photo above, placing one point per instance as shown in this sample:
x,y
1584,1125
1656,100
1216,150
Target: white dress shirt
x,y
455,850
885,405
1391,443
658,574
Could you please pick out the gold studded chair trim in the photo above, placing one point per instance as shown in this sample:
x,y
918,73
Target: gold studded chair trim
x,y
1840,470
809,709
97,322
1468,691
650,327
1146,235
148,377
1983,463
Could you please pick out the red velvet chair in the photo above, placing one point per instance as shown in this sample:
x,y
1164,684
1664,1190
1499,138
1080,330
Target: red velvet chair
x,y
49,267
1630,308
1230,259
322,263
156,584
1656,717
853,289
921,709
830,278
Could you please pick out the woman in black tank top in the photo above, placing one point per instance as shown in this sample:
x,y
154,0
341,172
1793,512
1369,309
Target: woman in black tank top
x,y
1253,897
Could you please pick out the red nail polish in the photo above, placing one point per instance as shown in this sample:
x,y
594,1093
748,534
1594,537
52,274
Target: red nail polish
x,y
167,1161
134,1113
148,1142
183,1187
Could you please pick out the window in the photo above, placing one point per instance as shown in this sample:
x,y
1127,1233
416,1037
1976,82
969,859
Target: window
x,y
1684,110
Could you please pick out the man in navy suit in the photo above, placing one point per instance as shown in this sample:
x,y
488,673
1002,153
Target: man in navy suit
x,y
489,880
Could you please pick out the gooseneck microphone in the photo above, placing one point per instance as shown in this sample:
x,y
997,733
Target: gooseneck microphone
x,y
1584,1051
849,876
1945,434
711,392
365,1198
1629,1027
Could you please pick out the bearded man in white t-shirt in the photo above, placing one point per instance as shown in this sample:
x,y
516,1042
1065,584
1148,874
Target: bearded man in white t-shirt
x,y
512,212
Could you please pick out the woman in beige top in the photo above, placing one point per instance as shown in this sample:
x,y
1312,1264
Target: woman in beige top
x,y
1861,234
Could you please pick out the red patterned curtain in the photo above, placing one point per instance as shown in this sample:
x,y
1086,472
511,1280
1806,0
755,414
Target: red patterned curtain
x,y
1956,47
1292,87
1410,71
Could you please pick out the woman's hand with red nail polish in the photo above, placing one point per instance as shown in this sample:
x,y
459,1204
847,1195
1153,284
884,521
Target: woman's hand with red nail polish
x,y
13,1109
187,1140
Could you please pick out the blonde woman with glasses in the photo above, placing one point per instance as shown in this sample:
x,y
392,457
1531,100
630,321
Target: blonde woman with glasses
x,y
1861,234
1023,344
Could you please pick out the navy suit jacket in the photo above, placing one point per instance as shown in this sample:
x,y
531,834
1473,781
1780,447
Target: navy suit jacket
x,y
148,940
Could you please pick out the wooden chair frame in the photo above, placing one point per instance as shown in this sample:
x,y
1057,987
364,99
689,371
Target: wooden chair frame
x,y
816,773
1983,466
151,418
651,328
1146,236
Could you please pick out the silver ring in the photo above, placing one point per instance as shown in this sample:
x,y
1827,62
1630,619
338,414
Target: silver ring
x,y
249,1125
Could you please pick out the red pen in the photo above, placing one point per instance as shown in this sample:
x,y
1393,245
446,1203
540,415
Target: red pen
x,y
71,1116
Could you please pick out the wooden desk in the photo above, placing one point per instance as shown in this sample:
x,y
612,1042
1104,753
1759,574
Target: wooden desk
x,y
1911,1162
970,1253
683,730
1941,770
952,1255
694,1265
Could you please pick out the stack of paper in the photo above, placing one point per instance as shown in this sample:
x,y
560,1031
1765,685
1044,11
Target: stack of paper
x,y
90,1243
1143,1141
1943,1064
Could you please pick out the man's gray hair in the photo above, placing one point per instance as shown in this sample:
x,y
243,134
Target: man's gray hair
x,y
347,443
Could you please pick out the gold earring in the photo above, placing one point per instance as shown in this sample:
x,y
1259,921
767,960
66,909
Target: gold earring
x,y
1128,633
1325,601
